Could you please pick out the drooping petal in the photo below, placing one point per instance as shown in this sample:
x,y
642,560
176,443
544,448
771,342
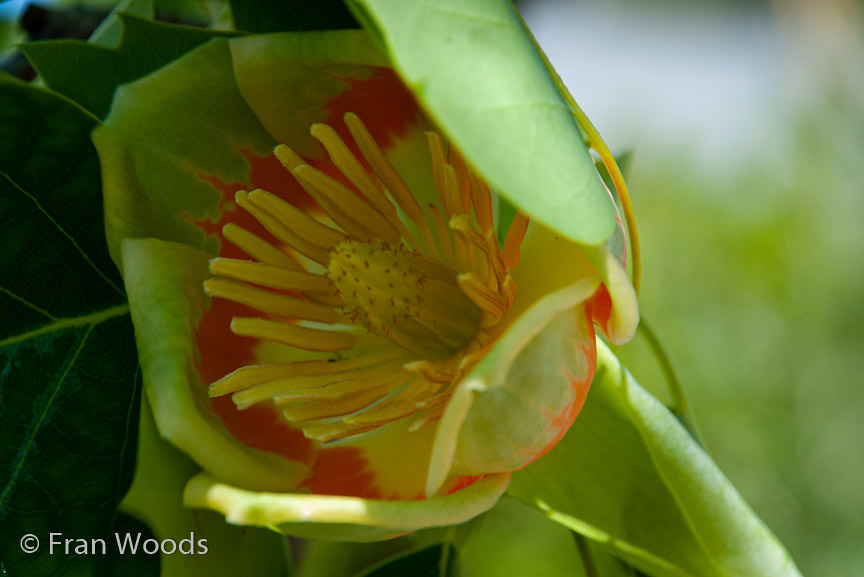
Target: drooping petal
x,y
524,394
615,310
342,518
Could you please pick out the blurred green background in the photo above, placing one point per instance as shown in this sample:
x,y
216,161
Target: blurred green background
x,y
746,121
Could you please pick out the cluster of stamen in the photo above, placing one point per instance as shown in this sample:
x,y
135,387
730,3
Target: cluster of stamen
x,y
402,299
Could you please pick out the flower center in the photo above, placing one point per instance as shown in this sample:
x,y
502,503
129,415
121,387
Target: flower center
x,y
410,299
394,301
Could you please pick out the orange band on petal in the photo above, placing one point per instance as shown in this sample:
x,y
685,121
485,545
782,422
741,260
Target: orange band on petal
x,y
342,471
221,351
383,102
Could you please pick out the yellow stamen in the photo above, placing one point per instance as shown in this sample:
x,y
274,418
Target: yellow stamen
x,y
451,190
403,297
289,159
443,233
254,375
342,405
323,385
295,219
275,227
513,240
429,372
458,162
383,169
400,405
258,248
481,199
346,162
334,431
425,307
270,302
438,156
270,276
376,386
488,300
292,335
348,210
494,254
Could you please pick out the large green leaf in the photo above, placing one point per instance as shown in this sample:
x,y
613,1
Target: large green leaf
x,y
262,16
68,366
513,539
479,76
630,476
89,73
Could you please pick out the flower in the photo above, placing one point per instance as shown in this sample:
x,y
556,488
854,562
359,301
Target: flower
x,y
370,351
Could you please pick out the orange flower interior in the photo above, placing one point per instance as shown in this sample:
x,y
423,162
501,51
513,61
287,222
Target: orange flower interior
x,y
404,298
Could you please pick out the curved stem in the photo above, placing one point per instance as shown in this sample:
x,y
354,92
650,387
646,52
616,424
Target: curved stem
x,y
593,140
680,406
596,142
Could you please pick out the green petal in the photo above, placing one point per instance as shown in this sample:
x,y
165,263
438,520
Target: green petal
x,y
623,318
479,76
524,394
156,498
342,518
164,283
538,274
290,81
629,476
288,78
185,120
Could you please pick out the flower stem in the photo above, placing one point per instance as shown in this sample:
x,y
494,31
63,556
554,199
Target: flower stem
x,y
680,407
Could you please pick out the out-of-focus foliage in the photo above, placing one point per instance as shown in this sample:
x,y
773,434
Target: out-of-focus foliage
x,y
752,266
754,282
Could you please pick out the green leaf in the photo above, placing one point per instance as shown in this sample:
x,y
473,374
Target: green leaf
x,y
262,16
479,76
89,74
68,366
628,475
110,32
432,561
513,539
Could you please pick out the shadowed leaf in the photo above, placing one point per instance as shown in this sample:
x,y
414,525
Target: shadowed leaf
x,y
68,364
89,74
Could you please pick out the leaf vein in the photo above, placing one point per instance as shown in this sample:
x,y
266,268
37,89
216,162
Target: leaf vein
x,y
27,303
63,232
61,324
18,466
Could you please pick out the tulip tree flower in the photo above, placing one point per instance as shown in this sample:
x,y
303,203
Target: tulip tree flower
x,y
339,317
